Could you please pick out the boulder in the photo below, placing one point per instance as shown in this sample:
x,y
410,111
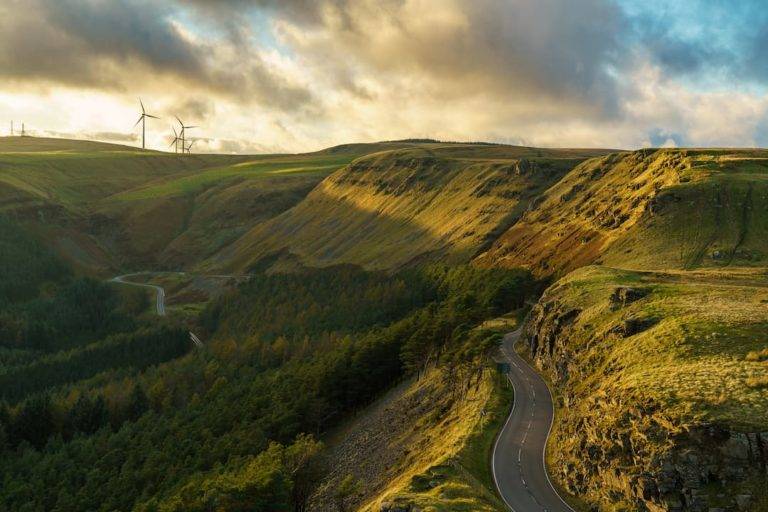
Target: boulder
x,y
624,295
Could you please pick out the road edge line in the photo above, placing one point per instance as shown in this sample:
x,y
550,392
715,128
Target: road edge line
x,y
549,432
498,437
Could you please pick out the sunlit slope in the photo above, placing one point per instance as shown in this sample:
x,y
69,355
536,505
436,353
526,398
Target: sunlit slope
x,y
649,209
388,209
53,186
655,370
105,206
72,175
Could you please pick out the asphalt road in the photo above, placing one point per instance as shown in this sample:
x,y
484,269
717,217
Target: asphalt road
x,y
518,455
160,293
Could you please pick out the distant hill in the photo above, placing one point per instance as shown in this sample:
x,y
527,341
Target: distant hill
x,y
649,209
392,208
106,206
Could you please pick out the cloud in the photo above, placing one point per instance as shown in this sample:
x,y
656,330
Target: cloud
x,y
660,138
99,136
198,109
304,74
123,44
527,53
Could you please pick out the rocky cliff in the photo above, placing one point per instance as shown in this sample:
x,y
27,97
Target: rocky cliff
x,y
647,209
636,431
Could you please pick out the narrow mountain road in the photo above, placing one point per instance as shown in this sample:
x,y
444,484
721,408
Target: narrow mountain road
x,y
518,455
160,293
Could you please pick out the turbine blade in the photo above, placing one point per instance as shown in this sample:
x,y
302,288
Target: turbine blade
x,y
137,122
191,127
142,105
179,120
153,117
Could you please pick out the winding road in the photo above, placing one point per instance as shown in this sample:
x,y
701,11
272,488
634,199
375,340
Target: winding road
x,y
518,455
160,293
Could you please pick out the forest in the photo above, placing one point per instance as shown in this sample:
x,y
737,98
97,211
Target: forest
x,y
108,408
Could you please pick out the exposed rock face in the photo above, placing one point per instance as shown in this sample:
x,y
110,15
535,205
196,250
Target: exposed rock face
x,y
620,450
624,295
394,507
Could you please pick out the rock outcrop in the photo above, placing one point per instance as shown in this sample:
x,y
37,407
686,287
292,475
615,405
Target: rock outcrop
x,y
624,449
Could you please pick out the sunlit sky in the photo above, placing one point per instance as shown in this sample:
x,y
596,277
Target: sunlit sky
x,y
300,75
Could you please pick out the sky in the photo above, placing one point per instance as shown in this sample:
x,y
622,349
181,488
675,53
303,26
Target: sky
x,y
300,75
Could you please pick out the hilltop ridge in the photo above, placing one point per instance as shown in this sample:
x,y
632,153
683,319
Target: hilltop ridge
x,y
647,209
391,208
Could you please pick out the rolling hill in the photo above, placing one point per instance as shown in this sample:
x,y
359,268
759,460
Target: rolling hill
x,y
105,206
651,333
389,209
649,209
662,380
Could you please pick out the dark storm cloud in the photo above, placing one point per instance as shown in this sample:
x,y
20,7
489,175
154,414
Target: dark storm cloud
x,y
117,44
526,51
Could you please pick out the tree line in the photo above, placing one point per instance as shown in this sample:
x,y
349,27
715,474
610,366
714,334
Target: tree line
x,y
235,426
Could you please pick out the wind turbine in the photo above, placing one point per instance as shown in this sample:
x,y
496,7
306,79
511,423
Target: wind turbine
x,y
189,148
143,120
175,142
183,133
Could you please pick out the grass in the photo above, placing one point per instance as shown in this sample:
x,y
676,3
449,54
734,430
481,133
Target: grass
x,y
449,470
266,167
707,335
390,208
665,209
107,207
698,362
758,355
76,174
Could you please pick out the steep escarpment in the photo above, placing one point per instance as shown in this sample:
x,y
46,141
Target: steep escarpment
x,y
649,209
392,208
662,387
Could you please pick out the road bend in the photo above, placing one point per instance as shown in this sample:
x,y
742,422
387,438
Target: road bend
x,y
159,292
518,455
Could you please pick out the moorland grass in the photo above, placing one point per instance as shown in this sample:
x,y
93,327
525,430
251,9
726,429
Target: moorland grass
x,y
697,359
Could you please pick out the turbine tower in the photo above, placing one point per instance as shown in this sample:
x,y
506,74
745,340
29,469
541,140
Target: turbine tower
x,y
183,133
143,120
175,142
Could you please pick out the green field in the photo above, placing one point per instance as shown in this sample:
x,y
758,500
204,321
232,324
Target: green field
x,y
106,208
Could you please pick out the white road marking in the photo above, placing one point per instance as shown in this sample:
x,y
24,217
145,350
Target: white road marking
x,y
524,370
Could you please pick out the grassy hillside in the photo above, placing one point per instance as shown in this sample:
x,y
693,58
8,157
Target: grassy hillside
x,y
105,206
651,367
427,445
392,208
674,209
